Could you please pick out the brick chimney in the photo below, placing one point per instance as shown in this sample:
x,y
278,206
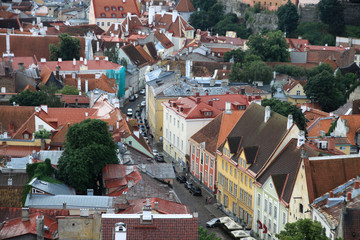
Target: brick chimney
x,y
25,214
348,196
197,94
197,100
40,230
356,184
267,113
57,72
331,194
210,102
227,107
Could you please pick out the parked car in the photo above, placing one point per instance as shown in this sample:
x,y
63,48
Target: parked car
x,y
132,98
188,184
129,112
213,223
143,104
142,91
159,158
155,152
195,190
136,96
181,179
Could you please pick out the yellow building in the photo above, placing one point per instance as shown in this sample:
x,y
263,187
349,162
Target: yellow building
x,y
294,91
247,150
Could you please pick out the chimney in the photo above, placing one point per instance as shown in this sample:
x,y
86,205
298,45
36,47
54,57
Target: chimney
x,y
227,107
85,61
106,58
40,230
274,74
44,108
25,214
21,67
174,15
120,231
43,144
197,94
210,102
43,60
290,121
156,206
64,205
348,196
8,43
116,26
301,139
356,184
331,144
79,84
97,46
74,61
267,113
86,85
57,72
81,59
331,194
212,82
242,91
197,100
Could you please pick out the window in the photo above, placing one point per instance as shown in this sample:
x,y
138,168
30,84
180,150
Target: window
x,y
192,165
274,228
241,107
250,200
3,89
108,23
170,118
102,24
120,8
178,123
342,148
113,8
166,116
284,218
226,166
269,224
245,197
182,144
241,194
242,177
206,176
174,121
103,15
258,199
235,190
197,152
197,168
226,183
250,183
193,149
166,134
231,170
107,8
246,178
113,15
211,163
26,136
211,180
98,23
174,138
182,127
301,208
170,137
275,212
223,164
235,173
270,208
298,93
230,186
206,159
265,206
177,141
234,208
226,201
208,113
202,158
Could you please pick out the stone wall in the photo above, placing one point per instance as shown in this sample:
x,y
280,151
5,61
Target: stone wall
x,y
352,14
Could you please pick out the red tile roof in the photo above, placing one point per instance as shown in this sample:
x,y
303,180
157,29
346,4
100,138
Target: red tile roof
x,y
177,27
320,124
72,99
119,8
26,60
18,228
104,83
164,206
12,117
25,46
7,213
297,44
163,40
353,122
145,54
17,151
69,66
185,6
160,229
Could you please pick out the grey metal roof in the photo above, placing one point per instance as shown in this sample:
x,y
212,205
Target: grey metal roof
x,y
52,155
52,188
72,201
18,163
160,171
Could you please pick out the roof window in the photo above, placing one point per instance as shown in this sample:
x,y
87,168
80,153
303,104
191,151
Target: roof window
x,y
113,15
120,8
107,8
103,15
113,8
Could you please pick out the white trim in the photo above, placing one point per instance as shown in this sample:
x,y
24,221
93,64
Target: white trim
x,y
334,157
158,216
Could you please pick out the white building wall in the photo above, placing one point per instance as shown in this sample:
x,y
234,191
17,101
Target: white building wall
x,y
40,124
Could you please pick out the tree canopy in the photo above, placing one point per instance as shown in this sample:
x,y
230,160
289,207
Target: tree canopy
x,y
69,90
204,235
68,48
332,13
303,229
46,96
232,23
285,109
288,18
290,70
272,47
238,54
88,148
316,32
112,54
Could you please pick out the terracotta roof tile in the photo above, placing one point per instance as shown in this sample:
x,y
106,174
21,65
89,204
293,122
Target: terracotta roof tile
x,y
353,122
119,8
163,40
13,117
17,151
134,55
185,6
104,83
69,66
73,99
145,54
320,124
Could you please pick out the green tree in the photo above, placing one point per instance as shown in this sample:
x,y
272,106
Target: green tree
x,y
46,96
290,70
257,71
315,32
332,13
42,134
272,47
238,54
237,74
199,20
288,18
112,54
303,229
68,48
321,68
204,235
232,23
88,148
285,109
322,88
69,90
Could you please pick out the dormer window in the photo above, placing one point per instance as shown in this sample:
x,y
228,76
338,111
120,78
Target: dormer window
x,y
113,15
208,113
120,8
113,8
107,9
241,107
124,15
103,15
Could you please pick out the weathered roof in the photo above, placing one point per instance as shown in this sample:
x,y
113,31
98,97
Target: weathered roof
x,y
114,8
14,116
134,55
159,171
164,206
185,6
52,188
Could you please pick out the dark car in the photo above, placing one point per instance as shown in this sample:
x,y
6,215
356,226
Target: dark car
x,y
159,158
188,184
132,98
195,190
181,179
213,223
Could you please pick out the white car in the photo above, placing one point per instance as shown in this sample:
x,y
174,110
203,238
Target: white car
x,y
142,104
129,112
155,152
